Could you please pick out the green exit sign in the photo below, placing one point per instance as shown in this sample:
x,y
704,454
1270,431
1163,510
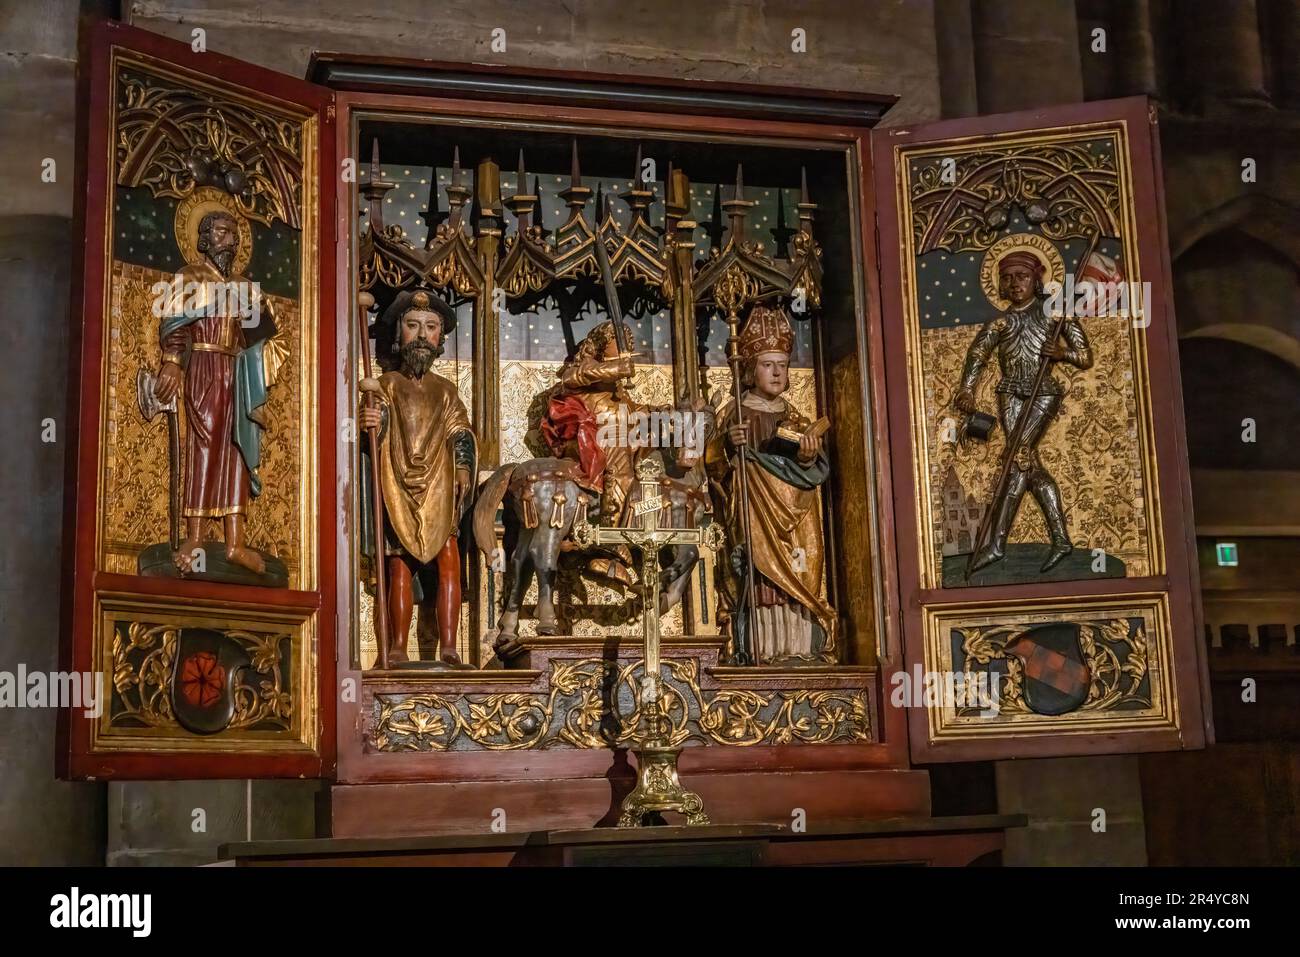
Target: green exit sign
x,y
1226,553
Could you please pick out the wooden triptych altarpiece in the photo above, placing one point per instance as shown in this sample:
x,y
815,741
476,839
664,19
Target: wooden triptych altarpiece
x,y
380,175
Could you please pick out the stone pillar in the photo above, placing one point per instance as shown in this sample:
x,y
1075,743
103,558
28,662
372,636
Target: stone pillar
x,y
42,820
1287,26
956,50
1136,65
1220,52
1026,54
1127,64
1099,68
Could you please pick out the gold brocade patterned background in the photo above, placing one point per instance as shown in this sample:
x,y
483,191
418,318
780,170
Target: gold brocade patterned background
x,y
1091,448
134,490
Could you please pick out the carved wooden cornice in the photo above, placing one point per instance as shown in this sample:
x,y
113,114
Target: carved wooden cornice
x,y
173,140
528,268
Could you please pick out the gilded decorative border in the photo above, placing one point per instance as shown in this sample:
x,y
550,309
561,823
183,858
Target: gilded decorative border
x,y
924,495
295,704
592,703
1150,662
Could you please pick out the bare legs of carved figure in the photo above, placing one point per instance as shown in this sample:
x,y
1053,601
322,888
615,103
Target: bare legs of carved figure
x,y
236,550
446,603
184,555
448,600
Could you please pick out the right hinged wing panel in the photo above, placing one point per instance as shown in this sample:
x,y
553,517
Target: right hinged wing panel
x,y
1045,542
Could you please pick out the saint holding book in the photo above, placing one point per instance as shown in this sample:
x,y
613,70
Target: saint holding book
x,y
791,618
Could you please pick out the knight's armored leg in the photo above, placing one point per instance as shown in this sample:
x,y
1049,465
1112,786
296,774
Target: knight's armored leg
x,y
1049,500
1004,510
1041,483
1003,518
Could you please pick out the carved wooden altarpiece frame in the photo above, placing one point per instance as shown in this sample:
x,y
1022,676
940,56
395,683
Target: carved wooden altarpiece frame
x,y
417,750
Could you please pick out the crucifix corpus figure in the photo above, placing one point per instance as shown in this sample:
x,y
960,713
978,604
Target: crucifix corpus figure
x,y
658,787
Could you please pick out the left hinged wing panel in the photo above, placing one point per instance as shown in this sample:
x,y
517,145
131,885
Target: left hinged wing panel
x,y
198,581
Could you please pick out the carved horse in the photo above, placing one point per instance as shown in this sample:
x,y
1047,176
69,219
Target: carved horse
x,y
543,501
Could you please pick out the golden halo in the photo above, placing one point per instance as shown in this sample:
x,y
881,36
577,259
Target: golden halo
x,y
190,212
1044,250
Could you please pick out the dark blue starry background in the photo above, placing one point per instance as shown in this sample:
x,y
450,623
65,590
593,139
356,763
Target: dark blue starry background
x,y
948,284
144,234
538,335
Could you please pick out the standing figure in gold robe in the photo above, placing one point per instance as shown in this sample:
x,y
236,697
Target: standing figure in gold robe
x,y
791,619
427,457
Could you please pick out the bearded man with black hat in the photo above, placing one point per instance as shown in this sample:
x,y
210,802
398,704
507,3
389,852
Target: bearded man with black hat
x,y
427,459
1022,336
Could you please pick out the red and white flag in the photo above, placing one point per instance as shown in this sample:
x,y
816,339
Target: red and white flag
x,y
1098,290
1101,268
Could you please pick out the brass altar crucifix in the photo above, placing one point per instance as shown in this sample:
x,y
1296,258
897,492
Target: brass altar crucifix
x,y
657,788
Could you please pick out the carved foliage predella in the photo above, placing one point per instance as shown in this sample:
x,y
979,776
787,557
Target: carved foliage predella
x,y
1116,654
593,703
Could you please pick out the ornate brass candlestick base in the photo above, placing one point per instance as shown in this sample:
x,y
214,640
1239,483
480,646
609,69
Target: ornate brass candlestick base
x,y
658,787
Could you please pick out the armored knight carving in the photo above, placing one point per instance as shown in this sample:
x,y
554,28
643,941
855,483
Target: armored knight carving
x,y
780,524
427,459
1021,337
